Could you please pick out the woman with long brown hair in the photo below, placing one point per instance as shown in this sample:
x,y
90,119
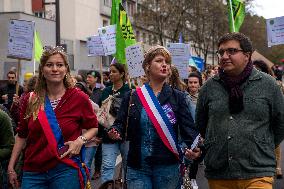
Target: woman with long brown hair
x,y
51,122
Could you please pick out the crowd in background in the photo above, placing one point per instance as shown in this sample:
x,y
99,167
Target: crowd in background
x,y
103,148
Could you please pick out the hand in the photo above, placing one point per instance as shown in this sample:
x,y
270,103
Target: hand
x,y
16,99
114,135
13,178
5,97
97,140
193,154
74,148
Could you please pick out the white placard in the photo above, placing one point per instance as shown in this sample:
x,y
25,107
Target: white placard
x,y
275,31
21,39
108,37
134,58
95,46
180,57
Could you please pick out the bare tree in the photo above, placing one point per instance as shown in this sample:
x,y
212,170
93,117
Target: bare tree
x,y
201,22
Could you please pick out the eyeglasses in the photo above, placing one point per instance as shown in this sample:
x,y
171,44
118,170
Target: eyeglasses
x,y
229,51
51,50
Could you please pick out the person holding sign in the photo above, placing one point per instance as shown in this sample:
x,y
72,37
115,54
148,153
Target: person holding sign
x,y
51,122
11,90
151,118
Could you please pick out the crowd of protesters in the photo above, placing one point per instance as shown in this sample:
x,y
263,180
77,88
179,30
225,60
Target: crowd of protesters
x,y
228,117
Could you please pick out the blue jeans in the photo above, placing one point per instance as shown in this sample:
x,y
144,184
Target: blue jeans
x,y
3,174
109,155
90,153
153,177
62,176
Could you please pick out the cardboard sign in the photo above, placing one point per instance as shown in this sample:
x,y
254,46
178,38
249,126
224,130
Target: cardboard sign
x,y
134,58
275,31
180,57
108,37
95,46
21,39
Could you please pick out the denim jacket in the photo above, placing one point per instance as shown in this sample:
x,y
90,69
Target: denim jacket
x,y
184,124
241,146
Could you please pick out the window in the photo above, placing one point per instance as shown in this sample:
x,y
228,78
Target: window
x,y
107,3
106,60
105,23
40,14
130,8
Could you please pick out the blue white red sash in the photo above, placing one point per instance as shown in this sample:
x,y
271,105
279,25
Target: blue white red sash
x,y
53,133
159,119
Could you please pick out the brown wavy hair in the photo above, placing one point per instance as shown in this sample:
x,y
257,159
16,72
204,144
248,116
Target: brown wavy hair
x,y
175,80
38,100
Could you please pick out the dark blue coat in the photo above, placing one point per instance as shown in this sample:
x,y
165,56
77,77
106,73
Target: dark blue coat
x,y
184,127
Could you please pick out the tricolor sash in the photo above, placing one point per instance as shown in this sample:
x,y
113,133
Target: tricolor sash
x,y
53,133
159,119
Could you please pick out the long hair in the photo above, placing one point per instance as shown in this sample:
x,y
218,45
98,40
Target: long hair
x,y
175,81
37,101
121,69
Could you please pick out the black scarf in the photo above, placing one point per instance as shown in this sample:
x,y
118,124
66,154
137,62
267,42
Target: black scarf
x,y
232,85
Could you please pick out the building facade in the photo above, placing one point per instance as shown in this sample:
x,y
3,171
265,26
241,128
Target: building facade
x,y
79,19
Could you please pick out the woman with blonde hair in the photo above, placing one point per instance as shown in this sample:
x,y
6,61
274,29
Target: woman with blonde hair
x,y
154,155
51,122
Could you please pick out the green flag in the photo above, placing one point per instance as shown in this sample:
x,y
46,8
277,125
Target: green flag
x,y
124,32
236,9
114,11
38,50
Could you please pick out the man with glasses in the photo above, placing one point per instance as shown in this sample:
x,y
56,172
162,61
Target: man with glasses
x,y
240,115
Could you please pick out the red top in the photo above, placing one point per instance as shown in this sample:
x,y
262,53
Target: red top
x,y
74,112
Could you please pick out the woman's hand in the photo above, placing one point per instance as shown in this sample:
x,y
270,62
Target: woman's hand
x,y
13,178
193,154
114,135
74,148
98,140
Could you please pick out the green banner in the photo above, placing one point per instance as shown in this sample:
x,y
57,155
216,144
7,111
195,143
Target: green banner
x,y
38,50
124,32
236,10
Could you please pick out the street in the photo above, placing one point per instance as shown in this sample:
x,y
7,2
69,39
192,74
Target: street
x,y
202,181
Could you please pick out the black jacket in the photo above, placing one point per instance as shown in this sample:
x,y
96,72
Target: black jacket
x,y
184,127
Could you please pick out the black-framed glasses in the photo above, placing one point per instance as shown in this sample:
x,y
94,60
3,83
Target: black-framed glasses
x,y
51,50
229,51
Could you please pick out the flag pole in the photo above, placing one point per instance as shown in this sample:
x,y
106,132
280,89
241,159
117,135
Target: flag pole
x,y
34,66
232,15
101,72
18,76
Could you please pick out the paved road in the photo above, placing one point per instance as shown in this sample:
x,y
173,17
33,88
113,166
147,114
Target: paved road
x,y
202,181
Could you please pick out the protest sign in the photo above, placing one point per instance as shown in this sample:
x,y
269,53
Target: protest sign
x,y
275,31
108,37
180,57
20,40
134,58
95,46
